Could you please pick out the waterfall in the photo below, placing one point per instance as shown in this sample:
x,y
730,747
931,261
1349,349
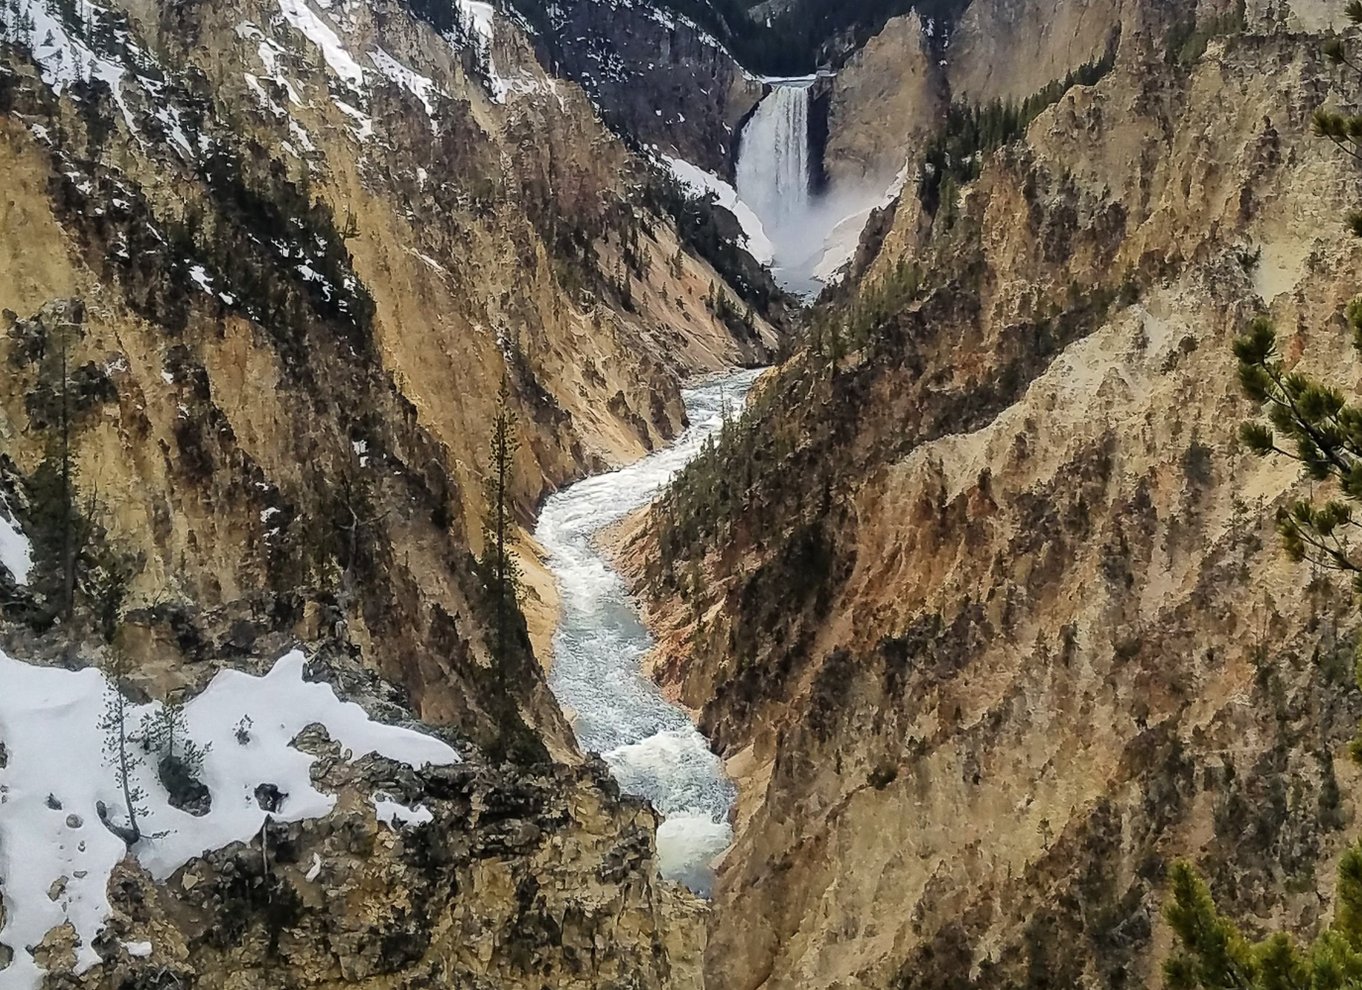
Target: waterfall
x,y
811,236
773,156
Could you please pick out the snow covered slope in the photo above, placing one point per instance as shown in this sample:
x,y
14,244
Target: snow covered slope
x,y
702,183
56,856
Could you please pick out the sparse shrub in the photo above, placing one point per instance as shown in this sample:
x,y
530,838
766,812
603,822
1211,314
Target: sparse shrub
x,y
179,759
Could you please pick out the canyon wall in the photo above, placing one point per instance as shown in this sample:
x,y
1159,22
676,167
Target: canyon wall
x,y
659,78
983,604
266,268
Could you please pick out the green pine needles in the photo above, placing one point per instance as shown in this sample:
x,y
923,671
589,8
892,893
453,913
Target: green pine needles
x,y
1320,426
1214,955
1314,423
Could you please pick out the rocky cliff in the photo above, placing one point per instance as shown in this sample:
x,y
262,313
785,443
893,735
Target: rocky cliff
x,y
266,266
982,603
457,872
884,102
659,77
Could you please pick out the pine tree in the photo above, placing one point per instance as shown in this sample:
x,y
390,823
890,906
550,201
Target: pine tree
x,y
120,753
1315,423
1308,420
1213,953
500,567
358,518
165,732
109,591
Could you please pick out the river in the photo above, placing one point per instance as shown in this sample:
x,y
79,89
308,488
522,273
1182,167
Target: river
x,y
652,747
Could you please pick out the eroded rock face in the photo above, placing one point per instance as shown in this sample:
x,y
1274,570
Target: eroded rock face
x,y
287,291
886,99
294,321
658,78
1009,49
998,625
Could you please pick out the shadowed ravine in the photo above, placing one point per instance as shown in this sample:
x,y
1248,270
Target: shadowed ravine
x,y
652,747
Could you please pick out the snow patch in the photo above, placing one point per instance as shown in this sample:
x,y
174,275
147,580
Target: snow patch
x,y
49,826
317,31
430,261
269,53
16,554
364,124
418,85
63,58
89,43
201,278
840,245
480,19
527,84
478,16
702,183
263,98
395,815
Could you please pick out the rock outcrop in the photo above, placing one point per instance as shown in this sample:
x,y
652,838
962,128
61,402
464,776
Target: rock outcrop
x,y
885,102
659,78
1009,49
465,874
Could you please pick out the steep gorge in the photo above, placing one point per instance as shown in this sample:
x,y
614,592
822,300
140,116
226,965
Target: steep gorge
x,y
981,603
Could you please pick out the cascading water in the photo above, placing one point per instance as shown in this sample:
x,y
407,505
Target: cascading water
x,y
810,236
652,748
773,156
774,178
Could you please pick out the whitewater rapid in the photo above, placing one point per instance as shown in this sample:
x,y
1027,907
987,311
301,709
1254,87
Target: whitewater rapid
x,y
652,748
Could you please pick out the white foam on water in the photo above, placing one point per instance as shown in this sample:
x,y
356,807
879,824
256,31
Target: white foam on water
x,y
652,747
687,845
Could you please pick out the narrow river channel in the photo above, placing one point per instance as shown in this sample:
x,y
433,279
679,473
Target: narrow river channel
x,y
652,747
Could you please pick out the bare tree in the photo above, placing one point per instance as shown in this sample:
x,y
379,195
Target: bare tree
x,y
120,754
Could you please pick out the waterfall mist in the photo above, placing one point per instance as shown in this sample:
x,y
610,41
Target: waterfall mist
x,y
811,236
